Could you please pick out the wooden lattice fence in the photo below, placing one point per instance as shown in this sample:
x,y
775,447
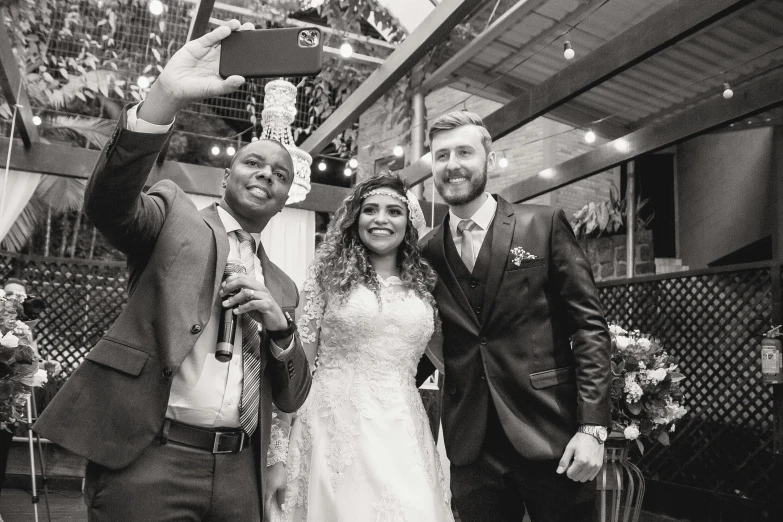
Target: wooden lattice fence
x,y
83,299
712,320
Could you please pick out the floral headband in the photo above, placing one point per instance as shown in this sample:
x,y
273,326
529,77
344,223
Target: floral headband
x,y
415,213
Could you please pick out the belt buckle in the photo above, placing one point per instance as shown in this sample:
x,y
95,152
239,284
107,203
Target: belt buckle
x,y
220,434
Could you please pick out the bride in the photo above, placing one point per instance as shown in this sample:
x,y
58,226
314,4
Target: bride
x,y
361,448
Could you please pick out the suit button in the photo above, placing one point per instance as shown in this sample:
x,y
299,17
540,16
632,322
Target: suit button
x,y
473,283
483,341
167,372
478,309
483,377
196,328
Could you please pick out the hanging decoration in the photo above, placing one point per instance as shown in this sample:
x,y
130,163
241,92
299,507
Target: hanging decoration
x,y
276,119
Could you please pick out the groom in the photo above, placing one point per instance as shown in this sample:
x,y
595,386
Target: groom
x,y
169,431
525,344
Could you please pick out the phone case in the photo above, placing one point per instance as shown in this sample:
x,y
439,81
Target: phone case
x,y
267,53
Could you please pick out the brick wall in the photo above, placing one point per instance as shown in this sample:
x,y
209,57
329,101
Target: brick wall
x,y
530,149
608,255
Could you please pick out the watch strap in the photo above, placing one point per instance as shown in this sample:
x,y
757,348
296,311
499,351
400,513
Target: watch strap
x,y
277,335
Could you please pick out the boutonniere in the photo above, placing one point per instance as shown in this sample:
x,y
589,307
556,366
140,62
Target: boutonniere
x,y
520,254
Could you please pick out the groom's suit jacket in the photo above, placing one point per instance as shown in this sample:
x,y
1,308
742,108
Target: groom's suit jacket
x,y
114,404
536,346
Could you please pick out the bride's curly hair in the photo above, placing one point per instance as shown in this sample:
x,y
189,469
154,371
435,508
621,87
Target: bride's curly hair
x,y
342,263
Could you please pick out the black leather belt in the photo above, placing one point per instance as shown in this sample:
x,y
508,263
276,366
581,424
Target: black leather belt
x,y
215,440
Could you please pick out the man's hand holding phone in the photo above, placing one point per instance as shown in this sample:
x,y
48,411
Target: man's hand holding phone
x,y
191,75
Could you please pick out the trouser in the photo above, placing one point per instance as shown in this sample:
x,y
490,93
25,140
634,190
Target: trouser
x,y
501,485
174,482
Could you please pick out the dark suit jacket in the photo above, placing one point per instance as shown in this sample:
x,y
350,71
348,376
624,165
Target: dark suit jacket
x,y
114,404
541,349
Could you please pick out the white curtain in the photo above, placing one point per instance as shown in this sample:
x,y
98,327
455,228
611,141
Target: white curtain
x,y
289,239
15,192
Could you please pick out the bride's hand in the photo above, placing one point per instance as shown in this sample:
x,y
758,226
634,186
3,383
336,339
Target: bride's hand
x,y
274,496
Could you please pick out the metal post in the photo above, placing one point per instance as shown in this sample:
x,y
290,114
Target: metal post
x,y
35,498
630,222
418,126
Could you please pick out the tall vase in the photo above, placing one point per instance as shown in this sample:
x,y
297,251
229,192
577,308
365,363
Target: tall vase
x,y
620,484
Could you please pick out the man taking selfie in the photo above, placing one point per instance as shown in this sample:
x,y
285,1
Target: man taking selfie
x,y
170,431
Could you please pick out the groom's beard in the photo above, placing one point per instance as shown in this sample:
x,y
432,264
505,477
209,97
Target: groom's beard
x,y
454,195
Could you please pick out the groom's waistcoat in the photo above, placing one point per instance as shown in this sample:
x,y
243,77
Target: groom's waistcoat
x,y
472,283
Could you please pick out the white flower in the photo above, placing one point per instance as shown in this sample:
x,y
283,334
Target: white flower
x,y
631,432
9,340
616,330
622,342
2,293
644,343
632,388
656,376
22,329
671,430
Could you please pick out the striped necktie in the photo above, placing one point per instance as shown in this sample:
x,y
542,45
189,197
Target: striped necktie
x,y
464,227
251,349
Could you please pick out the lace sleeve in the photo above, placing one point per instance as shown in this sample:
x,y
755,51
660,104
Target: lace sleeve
x,y
278,444
309,322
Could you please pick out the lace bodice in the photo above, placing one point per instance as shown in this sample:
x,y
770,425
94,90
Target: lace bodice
x,y
386,339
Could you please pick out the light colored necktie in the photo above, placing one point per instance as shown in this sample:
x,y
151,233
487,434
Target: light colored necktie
x,y
251,346
464,227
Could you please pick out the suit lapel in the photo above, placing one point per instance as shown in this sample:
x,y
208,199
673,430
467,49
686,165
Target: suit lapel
x,y
502,236
442,267
212,218
271,281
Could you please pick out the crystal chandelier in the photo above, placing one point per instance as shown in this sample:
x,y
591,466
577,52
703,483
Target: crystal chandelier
x,y
276,119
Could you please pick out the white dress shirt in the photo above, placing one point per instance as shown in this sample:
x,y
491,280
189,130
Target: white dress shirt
x,y
482,218
204,391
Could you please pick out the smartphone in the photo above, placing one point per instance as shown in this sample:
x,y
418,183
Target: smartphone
x,y
268,53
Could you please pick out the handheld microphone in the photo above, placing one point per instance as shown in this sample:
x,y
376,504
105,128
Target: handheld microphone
x,y
227,326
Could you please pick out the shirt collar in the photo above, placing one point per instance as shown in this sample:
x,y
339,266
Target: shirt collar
x,y
232,225
482,217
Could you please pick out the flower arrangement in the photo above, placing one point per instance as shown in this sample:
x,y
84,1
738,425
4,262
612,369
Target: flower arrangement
x,y
20,366
646,396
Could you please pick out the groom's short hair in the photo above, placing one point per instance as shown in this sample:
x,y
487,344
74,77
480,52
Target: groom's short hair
x,y
455,119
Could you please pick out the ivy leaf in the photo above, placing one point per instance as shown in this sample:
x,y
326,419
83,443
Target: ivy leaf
x,y
663,438
113,65
162,27
157,39
119,92
147,68
156,54
159,68
676,376
64,73
640,446
635,408
80,95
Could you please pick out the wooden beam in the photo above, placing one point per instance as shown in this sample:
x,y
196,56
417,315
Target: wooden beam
x,y
200,20
435,27
76,162
507,20
751,98
667,26
13,90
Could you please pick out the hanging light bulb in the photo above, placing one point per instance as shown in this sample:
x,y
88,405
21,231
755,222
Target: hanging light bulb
x,y
503,162
589,136
156,7
353,163
322,166
143,82
398,151
727,92
36,120
622,145
347,172
231,150
346,51
215,150
568,51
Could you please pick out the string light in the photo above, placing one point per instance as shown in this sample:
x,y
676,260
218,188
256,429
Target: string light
x,y
156,7
36,120
346,51
727,92
503,162
568,51
398,151
143,82
231,150
347,172
322,166
590,136
215,150
622,145
353,163
547,173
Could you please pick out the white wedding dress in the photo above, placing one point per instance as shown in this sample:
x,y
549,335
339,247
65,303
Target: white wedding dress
x,y
361,449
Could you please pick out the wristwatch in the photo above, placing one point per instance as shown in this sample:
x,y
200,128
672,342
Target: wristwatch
x,y
277,335
599,432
